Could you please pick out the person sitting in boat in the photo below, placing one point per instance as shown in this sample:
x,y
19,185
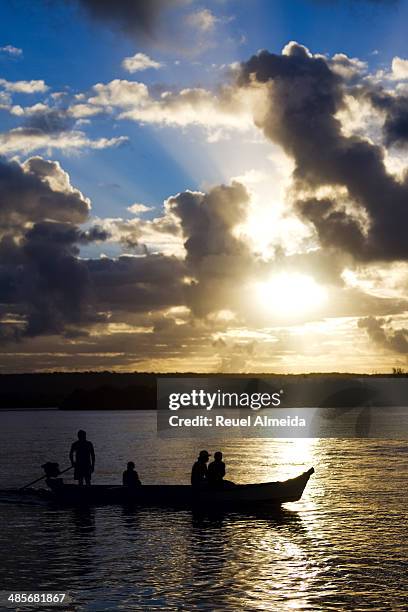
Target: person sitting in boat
x,y
130,477
216,469
82,457
216,472
199,472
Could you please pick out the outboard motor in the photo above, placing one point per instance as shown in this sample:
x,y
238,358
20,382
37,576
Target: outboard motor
x,y
51,469
52,472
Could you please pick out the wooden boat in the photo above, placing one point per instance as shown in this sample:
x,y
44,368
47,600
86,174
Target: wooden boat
x,y
275,493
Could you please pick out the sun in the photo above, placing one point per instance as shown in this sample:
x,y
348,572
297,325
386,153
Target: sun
x,y
288,294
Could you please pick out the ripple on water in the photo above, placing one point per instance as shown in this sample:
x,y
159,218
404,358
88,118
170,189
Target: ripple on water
x,y
342,547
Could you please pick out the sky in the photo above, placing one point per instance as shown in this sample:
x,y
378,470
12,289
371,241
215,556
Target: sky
x,y
203,186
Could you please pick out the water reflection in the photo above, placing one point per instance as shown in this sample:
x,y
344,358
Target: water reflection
x,y
342,547
82,540
245,556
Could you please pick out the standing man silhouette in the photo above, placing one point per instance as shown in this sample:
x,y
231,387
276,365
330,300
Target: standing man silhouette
x,y
82,457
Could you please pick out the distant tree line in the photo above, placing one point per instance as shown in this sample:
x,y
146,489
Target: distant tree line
x,y
137,391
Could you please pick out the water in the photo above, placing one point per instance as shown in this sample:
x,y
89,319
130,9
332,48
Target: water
x,y
342,547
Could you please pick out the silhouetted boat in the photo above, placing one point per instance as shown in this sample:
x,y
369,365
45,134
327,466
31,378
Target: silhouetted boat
x,y
173,495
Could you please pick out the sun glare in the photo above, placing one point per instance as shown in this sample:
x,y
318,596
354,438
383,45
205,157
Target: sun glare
x,y
288,295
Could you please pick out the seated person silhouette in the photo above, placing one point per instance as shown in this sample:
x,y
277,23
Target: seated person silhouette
x,y
199,474
216,472
82,457
130,477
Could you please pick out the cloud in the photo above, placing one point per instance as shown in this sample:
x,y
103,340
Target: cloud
x,y
394,108
158,235
399,68
11,50
381,333
229,108
5,101
207,221
49,289
204,20
119,92
45,127
45,119
42,278
137,284
305,95
27,140
26,87
38,189
138,208
54,281
156,309
217,259
84,111
166,24
133,17
139,62
347,67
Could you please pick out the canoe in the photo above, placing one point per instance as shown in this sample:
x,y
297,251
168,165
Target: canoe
x,y
275,493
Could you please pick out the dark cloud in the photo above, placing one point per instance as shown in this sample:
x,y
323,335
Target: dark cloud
x,y
50,289
93,234
49,121
42,278
304,95
134,284
208,220
395,108
133,17
46,282
385,336
335,227
151,343
55,282
217,260
26,194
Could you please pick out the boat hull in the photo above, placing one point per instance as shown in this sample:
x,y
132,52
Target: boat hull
x,y
184,495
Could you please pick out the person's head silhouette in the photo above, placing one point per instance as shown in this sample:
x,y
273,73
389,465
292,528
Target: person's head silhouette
x,y
218,456
130,465
81,434
204,456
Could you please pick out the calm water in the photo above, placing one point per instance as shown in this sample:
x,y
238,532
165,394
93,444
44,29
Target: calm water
x,y
342,547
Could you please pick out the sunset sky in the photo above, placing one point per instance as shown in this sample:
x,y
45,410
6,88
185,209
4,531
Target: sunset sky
x,y
203,186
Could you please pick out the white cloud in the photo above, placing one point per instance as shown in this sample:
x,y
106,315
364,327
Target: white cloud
x,y
120,92
287,49
80,111
358,118
28,111
27,87
399,68
347,67
26,140
11,50
203,20
139,62
397,72
138,208
5,100
229,107
159,235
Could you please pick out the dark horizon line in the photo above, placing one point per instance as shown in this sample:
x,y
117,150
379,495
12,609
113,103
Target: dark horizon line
x,y
187,373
